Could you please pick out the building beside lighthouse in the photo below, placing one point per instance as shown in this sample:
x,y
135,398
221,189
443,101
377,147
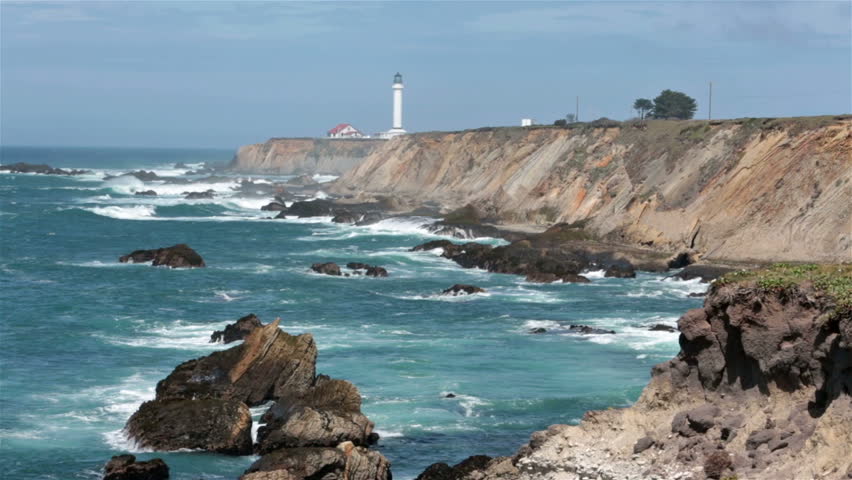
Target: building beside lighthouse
x,y
396,126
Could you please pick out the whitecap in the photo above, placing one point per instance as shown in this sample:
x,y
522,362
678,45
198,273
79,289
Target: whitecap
x,y
139,212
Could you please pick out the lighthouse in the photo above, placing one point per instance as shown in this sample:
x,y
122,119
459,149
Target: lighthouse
x,y
396,128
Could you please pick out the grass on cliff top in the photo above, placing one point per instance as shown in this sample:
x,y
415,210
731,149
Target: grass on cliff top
x,y
834,280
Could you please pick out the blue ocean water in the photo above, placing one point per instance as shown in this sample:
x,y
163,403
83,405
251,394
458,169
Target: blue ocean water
x,y
84,339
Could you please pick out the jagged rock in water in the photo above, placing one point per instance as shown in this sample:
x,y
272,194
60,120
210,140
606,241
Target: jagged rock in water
x,y
312,208
369,270
346,461
23,167
538,330
146,193
274,207
325,416
442,471
125,467
269,364
199,195
462,289
621,271
370,218
659,327
176,256
706,273
328,268
587,330
212,424
539,277
345,217
237,330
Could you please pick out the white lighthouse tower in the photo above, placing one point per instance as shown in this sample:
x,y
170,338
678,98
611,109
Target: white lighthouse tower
x,y
397,108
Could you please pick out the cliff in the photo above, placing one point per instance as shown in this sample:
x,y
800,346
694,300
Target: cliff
x,y
760,390
295,156
750,190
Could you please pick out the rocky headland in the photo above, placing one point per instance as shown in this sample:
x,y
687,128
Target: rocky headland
x,y
293,156
761,389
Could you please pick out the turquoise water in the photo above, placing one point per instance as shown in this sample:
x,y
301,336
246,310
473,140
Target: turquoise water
x,y
85,339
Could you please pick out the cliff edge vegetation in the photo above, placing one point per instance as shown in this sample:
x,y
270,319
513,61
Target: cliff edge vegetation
x,y
754,190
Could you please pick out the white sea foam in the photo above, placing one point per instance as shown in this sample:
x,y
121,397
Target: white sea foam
x,y
138,212
548,324
320,178
388,434
120,441
593,274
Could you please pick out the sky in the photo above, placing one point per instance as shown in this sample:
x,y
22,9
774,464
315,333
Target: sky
x,y
220,74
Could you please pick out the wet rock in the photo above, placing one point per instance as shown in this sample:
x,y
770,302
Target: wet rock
x,y
462,289
274,207
643,444
659,327
199,195
717,463
325,416
461,230
442,471
697,294
347,461
345,217
369,270
450,395
434,244
706,273
237,330
587,330
370,218
212,424
375,271
540,277
146,193
329,268
125,467
176,256
143,175
267,365
312,208
23,167
538,330
620,271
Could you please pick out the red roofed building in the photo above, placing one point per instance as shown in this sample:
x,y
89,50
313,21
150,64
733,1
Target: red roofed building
x,y
345,130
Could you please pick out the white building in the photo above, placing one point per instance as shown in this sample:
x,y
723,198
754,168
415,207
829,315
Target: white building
x,y
397,109
527,122
345,130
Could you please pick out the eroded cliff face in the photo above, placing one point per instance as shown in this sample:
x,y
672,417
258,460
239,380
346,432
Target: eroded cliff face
x,y
760,390
295,156
757,189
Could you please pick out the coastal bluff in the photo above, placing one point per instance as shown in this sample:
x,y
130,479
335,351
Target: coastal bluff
x,y
296,156
752,190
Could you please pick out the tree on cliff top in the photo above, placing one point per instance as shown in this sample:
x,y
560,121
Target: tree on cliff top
x,y
643,107
671,104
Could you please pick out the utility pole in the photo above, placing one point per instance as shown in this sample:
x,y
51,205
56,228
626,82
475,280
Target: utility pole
x,y
577,110
710,104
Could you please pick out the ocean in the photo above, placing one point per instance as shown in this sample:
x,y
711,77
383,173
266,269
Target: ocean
x,y
84,339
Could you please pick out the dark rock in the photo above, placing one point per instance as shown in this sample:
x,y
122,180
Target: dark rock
x,y
143,175
236,331
697,294
369,270
274,207
347,461
450,395
311,208
705,272
702,418
432,245
659,327
462,230
199,195
211,424
539,277
643,444
357,266
376,272
681,260
461,289
587,330
329,268
345,217
538,330
621,271
328,414
442,471
23,167
369,218
146,193
176,256
268,365
717,463
125,467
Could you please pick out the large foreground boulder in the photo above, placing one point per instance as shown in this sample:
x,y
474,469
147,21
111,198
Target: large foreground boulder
x,y
176,256
216,425
267,365
125,467
325,416
442,471
345,462
237,330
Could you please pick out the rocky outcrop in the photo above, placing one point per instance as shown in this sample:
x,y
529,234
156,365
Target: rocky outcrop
x,y
125,467
177,256
760,390
23,167
328,268
587,330
442,471
146,193
462,289
366,269
620,271
746,190
346,461
266,366
212,424
237,330
293,156
207,194
706,273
